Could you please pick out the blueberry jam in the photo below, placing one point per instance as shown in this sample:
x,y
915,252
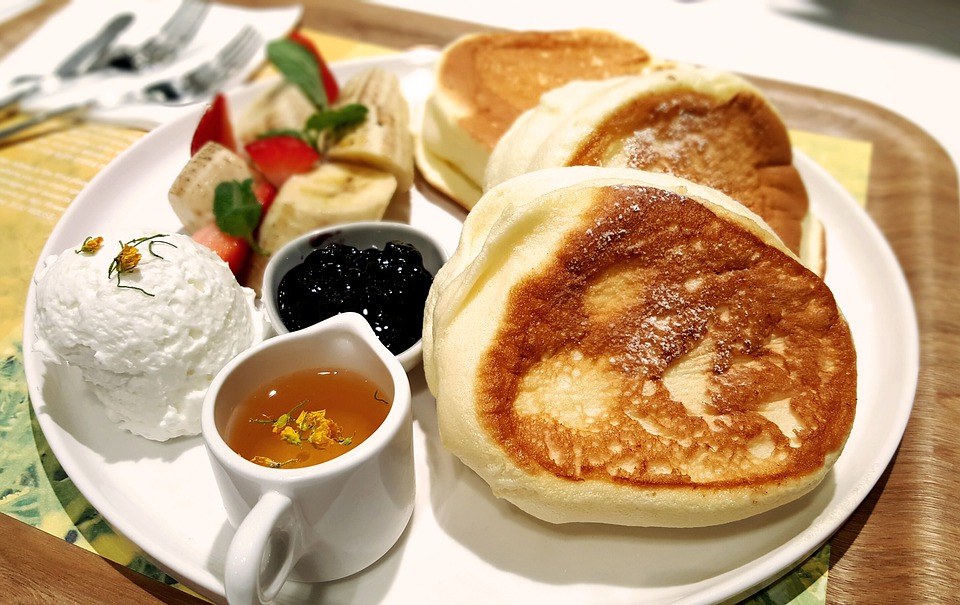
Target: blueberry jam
x,y
388,287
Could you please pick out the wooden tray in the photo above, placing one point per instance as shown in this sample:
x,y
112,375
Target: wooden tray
x,y
899,545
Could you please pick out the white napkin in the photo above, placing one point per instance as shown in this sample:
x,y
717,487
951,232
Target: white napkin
x,y
81,19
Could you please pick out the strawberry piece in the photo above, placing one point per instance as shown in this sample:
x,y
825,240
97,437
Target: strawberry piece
x,y
233,250
214,126
330,85
280,157
264,191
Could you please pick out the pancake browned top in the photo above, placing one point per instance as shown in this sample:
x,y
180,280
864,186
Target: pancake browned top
x,y
738,145
501,75
702,356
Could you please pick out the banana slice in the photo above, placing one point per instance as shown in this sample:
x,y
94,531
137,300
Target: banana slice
x,y
384,140
334,192
281,107
191,195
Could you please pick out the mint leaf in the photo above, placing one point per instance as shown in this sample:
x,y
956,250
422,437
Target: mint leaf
x,y
337,120
282,132
236,209
299,67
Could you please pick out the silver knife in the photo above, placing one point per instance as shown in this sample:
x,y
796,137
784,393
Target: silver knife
x,y
76,64
82,59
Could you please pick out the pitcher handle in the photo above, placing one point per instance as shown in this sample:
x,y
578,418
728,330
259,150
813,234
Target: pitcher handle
x,y
262,552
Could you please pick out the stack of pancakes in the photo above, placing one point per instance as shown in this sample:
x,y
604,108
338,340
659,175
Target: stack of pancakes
x,y
485,81
488,119
614,342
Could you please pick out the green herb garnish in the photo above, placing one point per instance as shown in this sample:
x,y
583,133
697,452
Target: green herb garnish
x,y
299,67
334,122
237,211
337,120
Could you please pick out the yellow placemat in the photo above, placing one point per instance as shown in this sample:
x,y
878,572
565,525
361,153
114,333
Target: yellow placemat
x,y
846,160
40,177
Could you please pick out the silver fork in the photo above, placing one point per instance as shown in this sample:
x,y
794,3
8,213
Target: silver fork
x,y
192,86
203,79
179,29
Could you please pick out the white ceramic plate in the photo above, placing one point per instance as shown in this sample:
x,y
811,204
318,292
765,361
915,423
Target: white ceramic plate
x,y
463,545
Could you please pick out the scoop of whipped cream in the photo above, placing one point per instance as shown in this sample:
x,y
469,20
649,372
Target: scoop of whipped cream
x,y
148,339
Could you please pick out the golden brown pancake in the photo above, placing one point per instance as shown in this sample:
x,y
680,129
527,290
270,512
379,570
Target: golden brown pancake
x,y
617,346
706,125
485,80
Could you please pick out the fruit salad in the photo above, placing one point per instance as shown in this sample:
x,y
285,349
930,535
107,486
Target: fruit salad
x,y
305,154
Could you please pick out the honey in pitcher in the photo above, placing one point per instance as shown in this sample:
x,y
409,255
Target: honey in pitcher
x,y
305,418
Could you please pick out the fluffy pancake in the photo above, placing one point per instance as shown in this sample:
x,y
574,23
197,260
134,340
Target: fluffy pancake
x,y
706,125
485,80
617,346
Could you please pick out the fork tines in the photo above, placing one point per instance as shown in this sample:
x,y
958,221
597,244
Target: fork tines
x,y
203,79
230,58
179,29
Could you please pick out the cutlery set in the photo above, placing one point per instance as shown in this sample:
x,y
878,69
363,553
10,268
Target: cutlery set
x,y
100,56
162,47
77,63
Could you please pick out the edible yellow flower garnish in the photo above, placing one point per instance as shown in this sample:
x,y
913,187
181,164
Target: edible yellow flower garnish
x,y
322,431
313,427
290,435
129,258
270,462
90,245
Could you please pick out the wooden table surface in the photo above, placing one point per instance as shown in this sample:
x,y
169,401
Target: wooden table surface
x,y
899,546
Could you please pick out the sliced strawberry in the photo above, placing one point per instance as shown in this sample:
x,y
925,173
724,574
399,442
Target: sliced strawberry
x,y
264,191
280,157
330,85
215,126
233,250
